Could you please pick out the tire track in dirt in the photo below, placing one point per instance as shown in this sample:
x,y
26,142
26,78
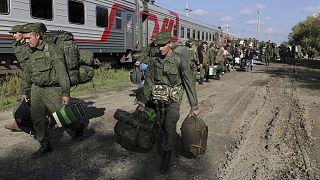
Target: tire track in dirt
x,y
273,145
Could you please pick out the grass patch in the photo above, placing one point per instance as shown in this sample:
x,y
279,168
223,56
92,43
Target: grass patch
x,y
103,81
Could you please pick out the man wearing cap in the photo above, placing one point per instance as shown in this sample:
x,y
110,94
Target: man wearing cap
x,y
22,52
193,54
166,80
47,76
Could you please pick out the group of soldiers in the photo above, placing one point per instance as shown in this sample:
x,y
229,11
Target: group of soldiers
x,y
44,81
171,69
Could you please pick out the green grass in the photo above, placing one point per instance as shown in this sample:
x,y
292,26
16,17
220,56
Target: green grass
x,y
103,81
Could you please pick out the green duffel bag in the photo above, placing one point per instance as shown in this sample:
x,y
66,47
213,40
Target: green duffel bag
x,y
136,131
194,135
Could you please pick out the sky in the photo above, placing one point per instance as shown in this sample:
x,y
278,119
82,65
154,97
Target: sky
x,y
240,17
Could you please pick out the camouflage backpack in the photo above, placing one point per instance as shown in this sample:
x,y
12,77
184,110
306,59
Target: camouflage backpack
x,y
79,62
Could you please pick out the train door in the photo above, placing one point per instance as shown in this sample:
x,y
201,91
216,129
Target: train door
x,y
129,28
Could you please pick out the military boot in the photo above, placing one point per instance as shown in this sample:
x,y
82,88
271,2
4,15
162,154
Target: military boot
x,y
165,163
201,81
43,150
13,127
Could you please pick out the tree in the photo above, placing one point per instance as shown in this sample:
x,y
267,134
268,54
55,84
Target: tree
x,y
306,33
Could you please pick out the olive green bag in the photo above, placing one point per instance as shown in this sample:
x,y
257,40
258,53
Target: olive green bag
x,y
136,131
80,63
194,135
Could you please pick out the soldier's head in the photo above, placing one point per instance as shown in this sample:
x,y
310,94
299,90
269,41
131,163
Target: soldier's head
x,y
33,33
163,41
16,32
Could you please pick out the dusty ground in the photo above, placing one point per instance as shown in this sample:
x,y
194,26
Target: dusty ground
x,y
262,125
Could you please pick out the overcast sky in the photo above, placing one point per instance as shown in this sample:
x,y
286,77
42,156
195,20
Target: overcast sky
x,y
277,17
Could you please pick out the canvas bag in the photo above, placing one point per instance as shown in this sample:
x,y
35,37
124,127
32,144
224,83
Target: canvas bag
x,y
194,135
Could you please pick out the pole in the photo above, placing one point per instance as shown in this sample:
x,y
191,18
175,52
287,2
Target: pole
x,y
187,9
243,33
258,25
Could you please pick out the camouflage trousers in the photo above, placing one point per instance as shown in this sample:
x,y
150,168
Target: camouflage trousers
x,y
45,100
168,117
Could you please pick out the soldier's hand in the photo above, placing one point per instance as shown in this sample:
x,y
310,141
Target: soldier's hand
x,y
195,112
141,105
200,65
24,98
65,100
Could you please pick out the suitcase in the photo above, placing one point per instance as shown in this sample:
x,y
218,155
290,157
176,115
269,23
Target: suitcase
x,y
194,135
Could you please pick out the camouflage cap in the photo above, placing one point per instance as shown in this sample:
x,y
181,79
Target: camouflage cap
x,y
16,28
34,27
191,40
162,38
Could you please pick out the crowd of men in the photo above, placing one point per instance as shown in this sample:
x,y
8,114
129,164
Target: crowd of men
x,y
170,70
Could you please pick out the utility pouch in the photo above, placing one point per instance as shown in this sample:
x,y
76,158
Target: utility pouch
x,y
161,93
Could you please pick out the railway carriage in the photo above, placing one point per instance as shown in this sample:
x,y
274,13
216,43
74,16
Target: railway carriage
x,y
111,29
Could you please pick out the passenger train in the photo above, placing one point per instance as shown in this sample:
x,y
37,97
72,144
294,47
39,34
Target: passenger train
x,y
111,29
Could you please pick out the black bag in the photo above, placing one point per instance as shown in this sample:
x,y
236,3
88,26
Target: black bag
x,y
22,117
136,76
194,135
136,133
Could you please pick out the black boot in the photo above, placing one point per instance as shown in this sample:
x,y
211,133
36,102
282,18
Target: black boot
x,y
43,150
165,163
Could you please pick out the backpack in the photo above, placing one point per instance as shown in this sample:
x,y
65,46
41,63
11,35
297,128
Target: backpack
x,y
194,135
79,63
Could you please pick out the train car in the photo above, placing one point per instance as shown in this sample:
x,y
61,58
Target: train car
x,y
111,29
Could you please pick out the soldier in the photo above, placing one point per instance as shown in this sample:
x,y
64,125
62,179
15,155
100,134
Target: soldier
x,y
48,79
208,59
22,52
166,79
193,53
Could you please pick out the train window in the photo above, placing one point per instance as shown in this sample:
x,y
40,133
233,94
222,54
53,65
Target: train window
x,y
194,34
210,37
175,32
76,12
207,36
4,6
102,16
202,37
188,33
118,20
198,35
182,32
41,9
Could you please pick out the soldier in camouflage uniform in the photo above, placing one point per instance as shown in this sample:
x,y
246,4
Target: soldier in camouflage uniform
x,y
166,79
193,54
22,52
49,82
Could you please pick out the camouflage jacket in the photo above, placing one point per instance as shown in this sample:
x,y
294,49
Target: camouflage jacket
x,y
22,52
193,54
42,71
164,71
208,57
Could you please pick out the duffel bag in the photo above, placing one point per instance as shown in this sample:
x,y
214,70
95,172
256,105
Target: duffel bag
x,y
136,131
194,135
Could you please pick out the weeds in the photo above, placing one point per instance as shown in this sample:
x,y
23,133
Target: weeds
x,y
103,81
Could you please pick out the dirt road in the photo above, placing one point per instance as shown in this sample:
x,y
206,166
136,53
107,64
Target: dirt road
x,y
262,125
